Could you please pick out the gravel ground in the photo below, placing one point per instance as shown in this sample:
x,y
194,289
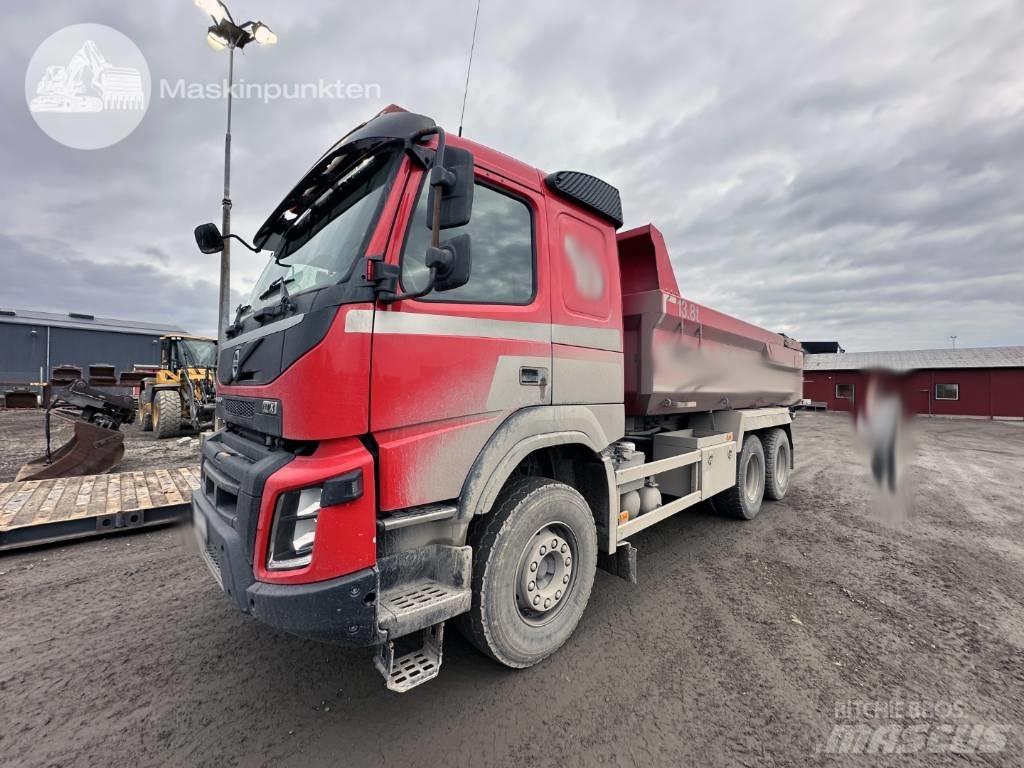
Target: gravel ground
x,y
22,438
736,648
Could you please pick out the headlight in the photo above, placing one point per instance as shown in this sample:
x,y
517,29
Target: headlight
x,y
294,529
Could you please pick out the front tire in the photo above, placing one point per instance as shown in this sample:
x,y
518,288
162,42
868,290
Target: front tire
x,y
166,413
534,559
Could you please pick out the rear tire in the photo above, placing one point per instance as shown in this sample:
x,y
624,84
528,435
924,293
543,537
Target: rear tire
x,y
166,413
145,417
528,596
776,464
743,500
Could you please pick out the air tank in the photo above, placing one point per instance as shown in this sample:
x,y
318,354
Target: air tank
x,y
650,496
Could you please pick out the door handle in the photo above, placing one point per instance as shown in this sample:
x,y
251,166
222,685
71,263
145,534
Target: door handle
x,y
533,377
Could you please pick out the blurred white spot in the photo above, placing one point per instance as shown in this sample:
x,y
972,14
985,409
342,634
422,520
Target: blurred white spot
x,y
586,269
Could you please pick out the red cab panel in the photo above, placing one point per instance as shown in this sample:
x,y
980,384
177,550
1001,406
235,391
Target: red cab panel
x,y
325,393
449,368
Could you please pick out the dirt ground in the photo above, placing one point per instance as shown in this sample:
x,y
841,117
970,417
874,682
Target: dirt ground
x,y
743,644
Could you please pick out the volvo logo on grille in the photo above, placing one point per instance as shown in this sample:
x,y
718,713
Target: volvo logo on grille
x,y
270,407
235,359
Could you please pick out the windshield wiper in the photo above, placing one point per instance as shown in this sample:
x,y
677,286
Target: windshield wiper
x,y
283,307
276,285
236,327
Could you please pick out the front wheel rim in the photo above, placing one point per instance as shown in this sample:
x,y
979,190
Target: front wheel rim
x,y
547,574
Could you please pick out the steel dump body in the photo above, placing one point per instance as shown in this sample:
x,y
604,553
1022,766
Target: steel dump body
x,y
681,357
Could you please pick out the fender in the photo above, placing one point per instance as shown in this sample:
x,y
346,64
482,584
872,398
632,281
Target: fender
x,y
146,391
528,430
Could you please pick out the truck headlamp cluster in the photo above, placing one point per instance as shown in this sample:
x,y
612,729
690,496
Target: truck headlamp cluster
x,y
294,529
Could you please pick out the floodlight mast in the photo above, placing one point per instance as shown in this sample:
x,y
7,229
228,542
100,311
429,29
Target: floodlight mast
x,y
225,33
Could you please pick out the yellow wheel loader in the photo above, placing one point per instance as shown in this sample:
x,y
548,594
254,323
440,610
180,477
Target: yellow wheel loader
x,y
182,394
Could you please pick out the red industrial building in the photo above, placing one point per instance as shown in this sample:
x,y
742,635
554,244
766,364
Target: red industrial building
x,y
985,382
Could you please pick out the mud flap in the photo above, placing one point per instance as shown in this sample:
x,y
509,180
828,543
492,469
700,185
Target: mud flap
x,y
92,450
621,564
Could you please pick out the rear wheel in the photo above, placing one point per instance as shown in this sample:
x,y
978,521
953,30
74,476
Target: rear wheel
x,y
145,416
166,413
743,500
534,558
776,464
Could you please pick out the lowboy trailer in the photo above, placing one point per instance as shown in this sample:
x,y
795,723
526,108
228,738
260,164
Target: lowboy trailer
x,y
456,392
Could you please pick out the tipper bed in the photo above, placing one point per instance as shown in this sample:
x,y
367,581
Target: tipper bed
x,y
682,357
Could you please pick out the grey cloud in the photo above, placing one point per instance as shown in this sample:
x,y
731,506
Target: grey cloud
x,y
840,170
831,97
157,253
62,281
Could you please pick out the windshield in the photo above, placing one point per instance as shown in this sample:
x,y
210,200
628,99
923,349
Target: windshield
x,y
322,241
198,353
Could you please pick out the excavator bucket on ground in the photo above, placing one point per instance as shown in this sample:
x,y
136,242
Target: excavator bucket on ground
x,y
92,450
97,445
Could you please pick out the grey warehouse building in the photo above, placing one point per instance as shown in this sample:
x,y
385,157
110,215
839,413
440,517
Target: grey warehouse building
x,y
36,342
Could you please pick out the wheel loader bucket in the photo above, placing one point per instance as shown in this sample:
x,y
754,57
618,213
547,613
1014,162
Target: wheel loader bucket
x,y
92,451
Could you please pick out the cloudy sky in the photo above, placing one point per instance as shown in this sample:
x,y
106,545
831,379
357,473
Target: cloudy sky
x,y
842,170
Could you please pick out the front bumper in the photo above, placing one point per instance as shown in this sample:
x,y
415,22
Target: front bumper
x,y
341,611
335,598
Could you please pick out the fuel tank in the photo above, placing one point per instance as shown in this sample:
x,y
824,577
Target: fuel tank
x,y
682,357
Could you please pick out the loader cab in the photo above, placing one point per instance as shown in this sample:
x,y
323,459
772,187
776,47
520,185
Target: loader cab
x,y
168,354
178,352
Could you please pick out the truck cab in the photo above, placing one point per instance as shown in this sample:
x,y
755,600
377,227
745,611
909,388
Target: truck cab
x,y
437,343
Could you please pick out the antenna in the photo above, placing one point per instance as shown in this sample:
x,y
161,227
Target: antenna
x,y
469,66
953,339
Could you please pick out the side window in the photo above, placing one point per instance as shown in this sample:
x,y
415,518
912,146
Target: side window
x,y
501,233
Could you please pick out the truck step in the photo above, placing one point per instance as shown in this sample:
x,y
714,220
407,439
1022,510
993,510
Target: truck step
x,y
405,672
421,604
422,587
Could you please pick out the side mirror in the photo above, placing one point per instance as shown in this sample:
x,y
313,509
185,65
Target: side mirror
x,y
451,263
209,239
454,179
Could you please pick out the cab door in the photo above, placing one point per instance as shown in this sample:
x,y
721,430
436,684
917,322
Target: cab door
x,y
447,369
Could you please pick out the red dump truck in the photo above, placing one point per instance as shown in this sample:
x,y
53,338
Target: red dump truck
x,y
455,392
